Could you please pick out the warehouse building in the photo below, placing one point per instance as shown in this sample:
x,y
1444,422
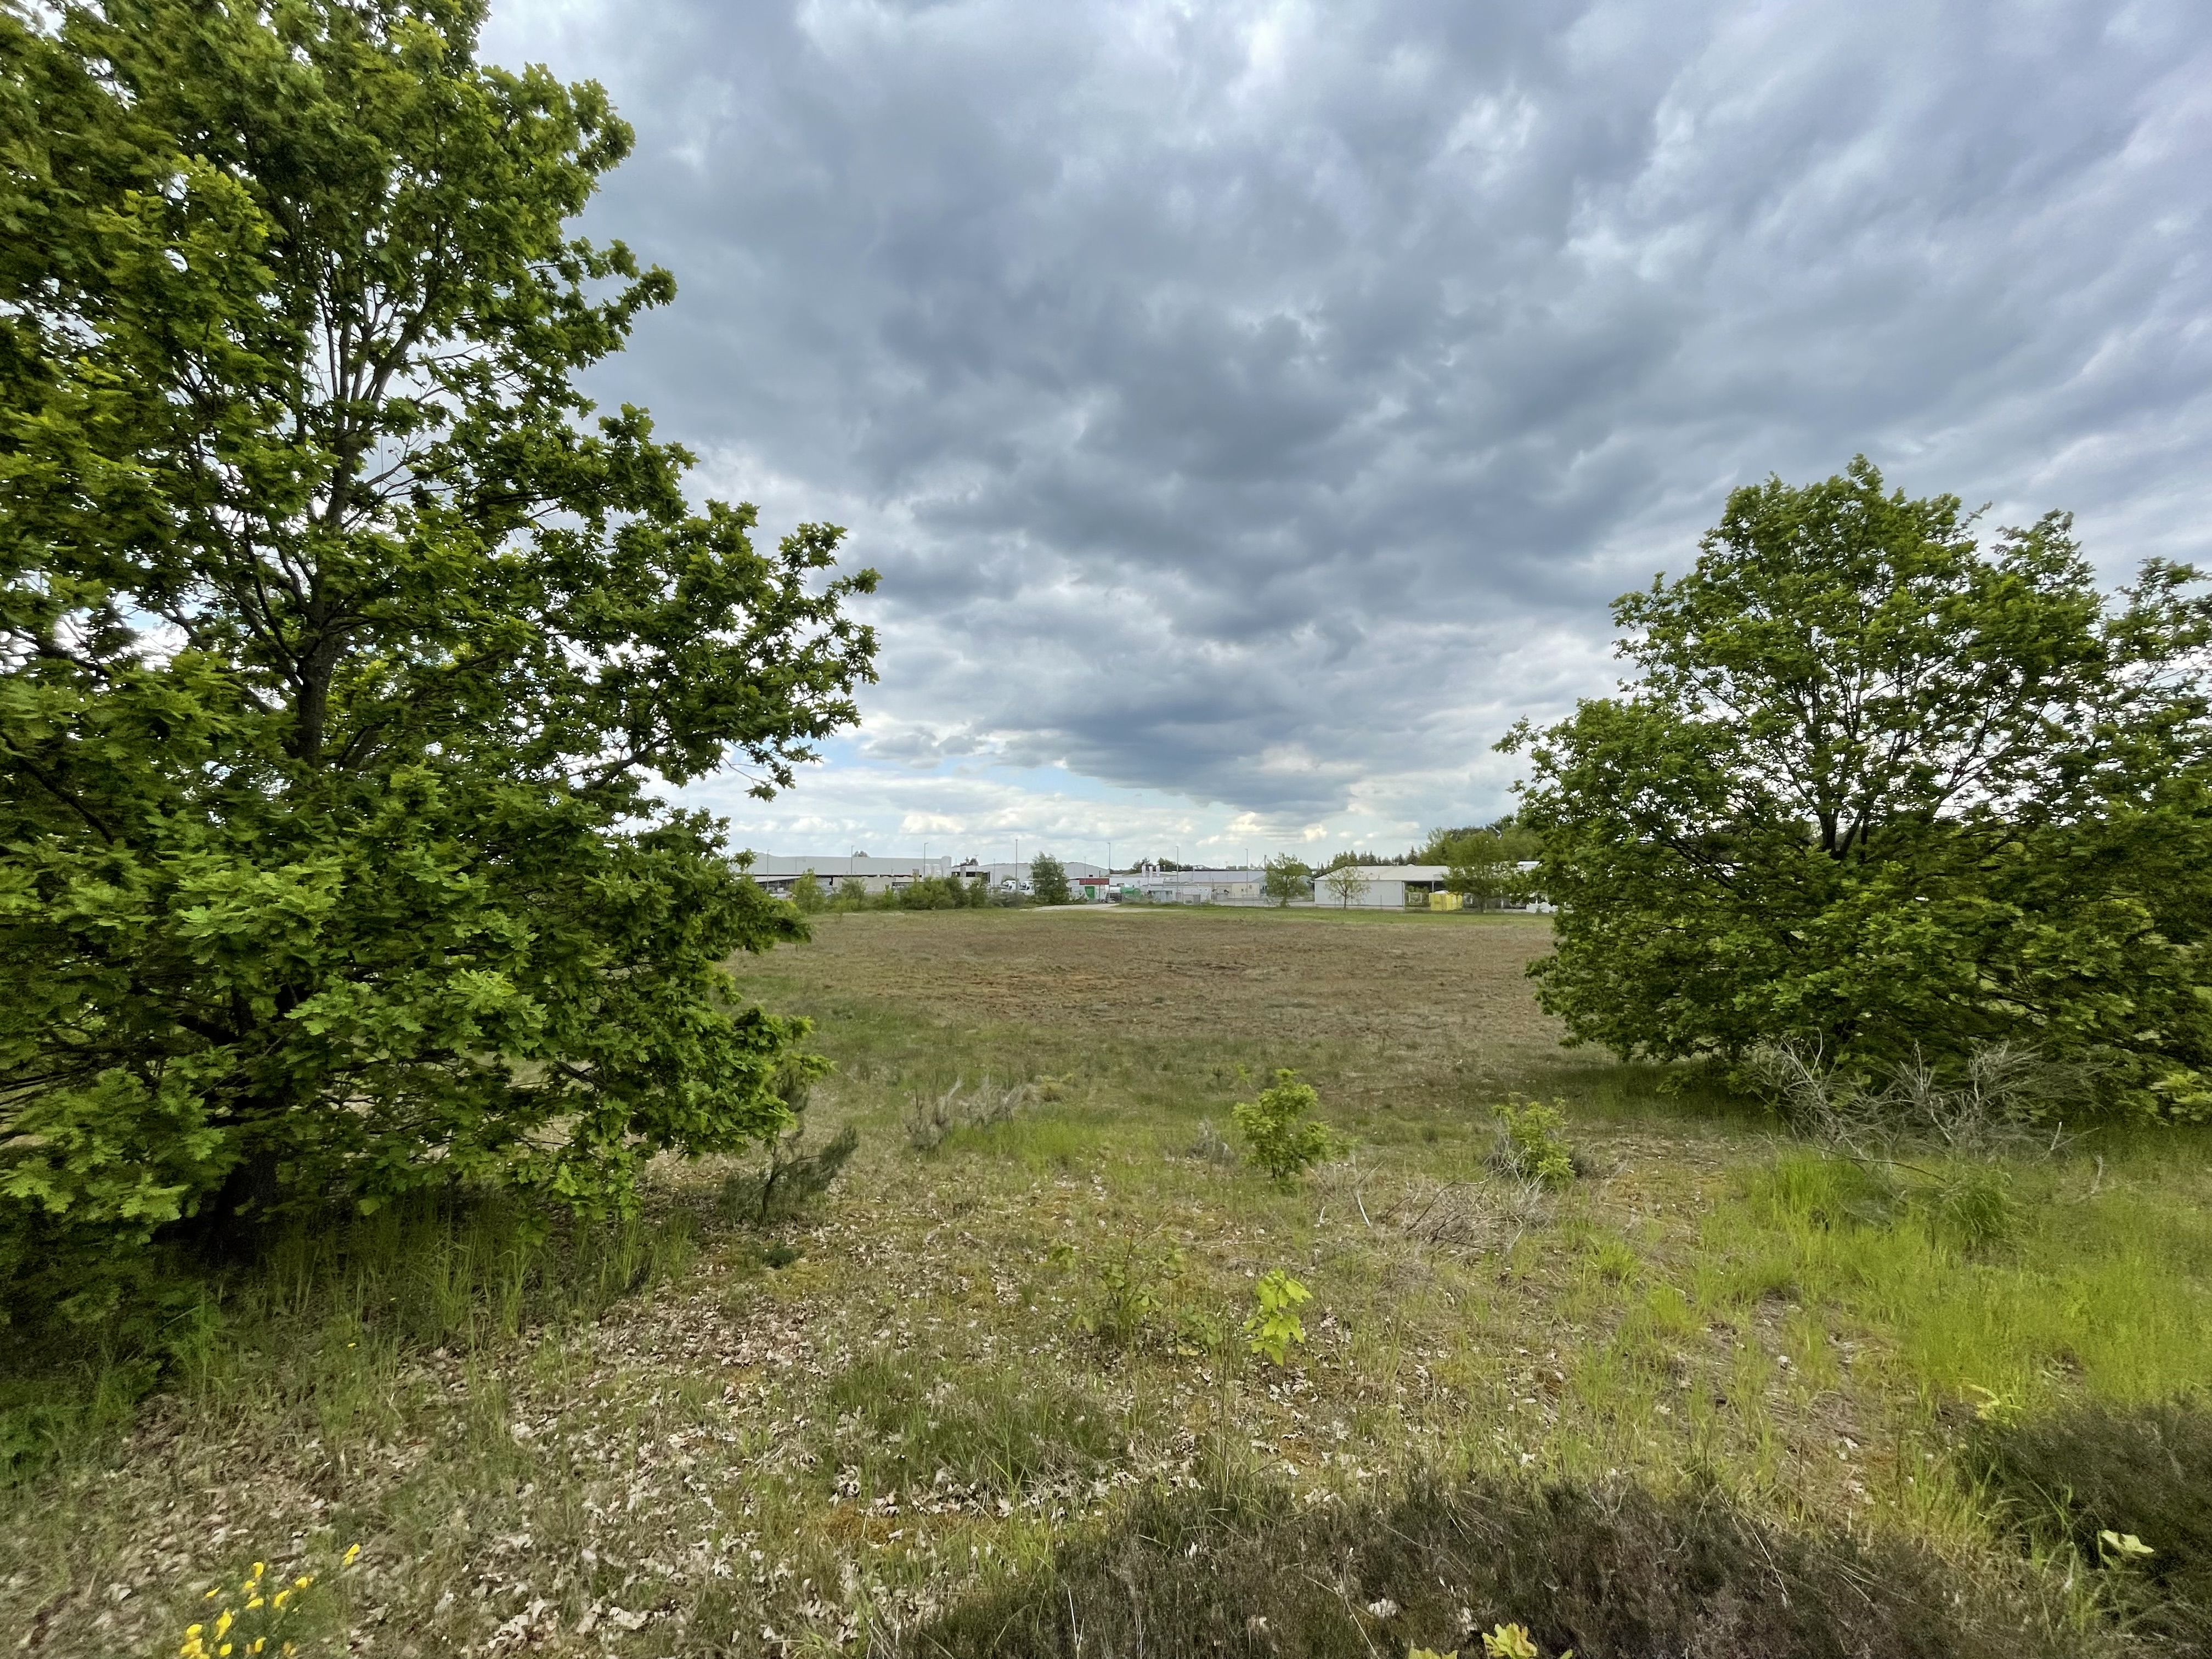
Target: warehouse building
x,y
777,872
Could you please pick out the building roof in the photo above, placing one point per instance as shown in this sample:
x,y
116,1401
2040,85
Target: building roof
x,y
828,866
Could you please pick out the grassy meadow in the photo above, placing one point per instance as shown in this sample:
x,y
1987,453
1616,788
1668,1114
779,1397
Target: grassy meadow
x,y
992,1392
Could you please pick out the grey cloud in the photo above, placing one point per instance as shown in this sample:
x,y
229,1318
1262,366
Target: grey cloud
x,y
1250,400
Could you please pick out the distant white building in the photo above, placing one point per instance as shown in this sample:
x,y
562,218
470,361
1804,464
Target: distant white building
x,y
777,872
1226,886
1381,886
1015,877
1401,887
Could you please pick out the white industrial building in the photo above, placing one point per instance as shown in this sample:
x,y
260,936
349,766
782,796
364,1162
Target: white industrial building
x,y
1015,877
1381,886
1228,886
1400,887
777,871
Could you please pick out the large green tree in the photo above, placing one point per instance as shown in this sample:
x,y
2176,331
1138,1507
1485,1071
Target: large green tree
x,y
1048,880
344,646
1880,790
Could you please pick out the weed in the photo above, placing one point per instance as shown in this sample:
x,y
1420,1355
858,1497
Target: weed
x,y
1209,1147
1274,1327
1125,1299
1614,1262
930,1118
792,1178
2124,1488
1277,1138
1973,1207
1532,1143
1513,1641
2003,1102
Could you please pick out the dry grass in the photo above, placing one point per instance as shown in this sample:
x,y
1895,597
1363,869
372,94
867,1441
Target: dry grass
x,y
802,1439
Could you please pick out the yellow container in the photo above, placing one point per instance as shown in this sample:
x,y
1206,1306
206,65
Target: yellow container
x,y
1443,901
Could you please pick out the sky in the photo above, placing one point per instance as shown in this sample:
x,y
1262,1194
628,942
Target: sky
x,y
1252,408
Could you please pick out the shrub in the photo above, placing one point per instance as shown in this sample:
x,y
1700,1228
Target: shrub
x,y
1613,1573
1126,1295
2144,1472
1276,1138
792,1176
1274,1327
1532,1143
929,1118
941,893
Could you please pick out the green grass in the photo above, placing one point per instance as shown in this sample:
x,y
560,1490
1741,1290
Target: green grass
x,y
2022,1283
968,1376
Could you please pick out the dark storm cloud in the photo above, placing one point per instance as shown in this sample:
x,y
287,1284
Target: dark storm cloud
x,y
1260,401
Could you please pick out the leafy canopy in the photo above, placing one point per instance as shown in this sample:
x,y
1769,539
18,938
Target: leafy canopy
x,y
1286,878
1882,792
343,641
1048,880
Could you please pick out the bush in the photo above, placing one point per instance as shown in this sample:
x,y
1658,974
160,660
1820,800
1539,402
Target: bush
x,y
1276,1138
1613,1573
792,1176
1532,1143
2097,1469
929,1118
1127,1297
1274,1327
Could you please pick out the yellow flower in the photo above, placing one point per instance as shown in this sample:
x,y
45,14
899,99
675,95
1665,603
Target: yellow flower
x,y
303,1581
280,1599
259,1642
222,1625
261,1567
253,1604
352,1554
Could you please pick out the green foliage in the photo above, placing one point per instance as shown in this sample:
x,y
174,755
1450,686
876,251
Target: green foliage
x,y
1343,884
1532,1142
806,895
1485,863
2125,1489
1285,880
342,647
1514,1642
2101,1292
926,893
1127,1296
1048,880
431,1270
1277,1138
1274,1327
1886,793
